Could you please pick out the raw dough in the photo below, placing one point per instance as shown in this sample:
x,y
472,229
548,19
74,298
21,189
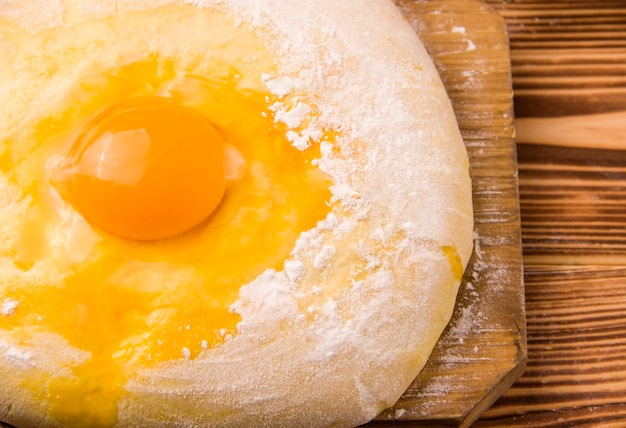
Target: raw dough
x,y
339,332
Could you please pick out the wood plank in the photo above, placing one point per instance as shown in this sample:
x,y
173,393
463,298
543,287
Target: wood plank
x,y
552,102
576,371
573,203
596,131
568,56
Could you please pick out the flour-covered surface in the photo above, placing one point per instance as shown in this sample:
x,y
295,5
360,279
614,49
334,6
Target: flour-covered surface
x,y
484,349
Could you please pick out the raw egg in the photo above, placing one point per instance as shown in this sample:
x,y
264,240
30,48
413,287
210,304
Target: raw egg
x,y
144,169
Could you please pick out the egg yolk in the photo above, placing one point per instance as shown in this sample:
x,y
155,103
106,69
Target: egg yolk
x,y
144,169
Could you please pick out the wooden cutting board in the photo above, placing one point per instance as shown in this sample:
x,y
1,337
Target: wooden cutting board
x,y
483,350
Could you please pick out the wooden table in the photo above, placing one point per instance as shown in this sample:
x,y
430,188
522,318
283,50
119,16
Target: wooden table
x,y
569,78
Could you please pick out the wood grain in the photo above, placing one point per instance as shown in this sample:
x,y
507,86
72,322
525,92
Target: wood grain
x,y
570,148
568,56
573,203
576,372
483,350
569,60
595,131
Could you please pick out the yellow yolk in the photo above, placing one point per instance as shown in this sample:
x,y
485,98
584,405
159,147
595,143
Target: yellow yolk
x,y
144,169
456,264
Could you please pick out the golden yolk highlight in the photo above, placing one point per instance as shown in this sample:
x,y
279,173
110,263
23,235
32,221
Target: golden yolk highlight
x,y
144,169
456,264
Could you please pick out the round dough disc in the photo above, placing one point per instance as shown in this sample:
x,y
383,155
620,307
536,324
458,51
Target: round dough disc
x,y
339,332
